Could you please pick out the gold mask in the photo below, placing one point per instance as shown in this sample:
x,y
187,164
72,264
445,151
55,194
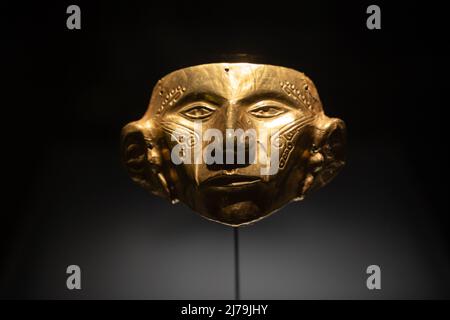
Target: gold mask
x,y
301,146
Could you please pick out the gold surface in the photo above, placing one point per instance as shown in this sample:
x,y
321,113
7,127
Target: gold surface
x,y
266,98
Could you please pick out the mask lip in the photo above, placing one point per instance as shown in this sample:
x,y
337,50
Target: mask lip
x,y
234,180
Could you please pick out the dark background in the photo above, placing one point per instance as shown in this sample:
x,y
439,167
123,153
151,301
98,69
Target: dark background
x,y
68,200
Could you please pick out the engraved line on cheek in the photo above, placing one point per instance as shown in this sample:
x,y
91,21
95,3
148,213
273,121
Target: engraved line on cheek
x,y
286,137
172,128
296,124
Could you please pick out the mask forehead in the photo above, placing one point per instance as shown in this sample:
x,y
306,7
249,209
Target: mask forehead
x,y
232,82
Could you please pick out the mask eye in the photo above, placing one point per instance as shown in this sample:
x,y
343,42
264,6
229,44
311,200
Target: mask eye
x,y
267,111
198,112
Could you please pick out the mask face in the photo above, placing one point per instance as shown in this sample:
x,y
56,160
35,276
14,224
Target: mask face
x,y
235,142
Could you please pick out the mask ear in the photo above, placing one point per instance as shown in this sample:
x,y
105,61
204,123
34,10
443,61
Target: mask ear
x,y
142,158
330,143
327,154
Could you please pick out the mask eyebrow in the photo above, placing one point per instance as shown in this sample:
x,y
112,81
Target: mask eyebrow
x,y
267,95
209,97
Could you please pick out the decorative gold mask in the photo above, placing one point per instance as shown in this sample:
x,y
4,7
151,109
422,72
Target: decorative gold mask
x,y
296,147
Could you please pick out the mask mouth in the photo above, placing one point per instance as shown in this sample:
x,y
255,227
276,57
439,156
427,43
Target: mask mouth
x,y
234,180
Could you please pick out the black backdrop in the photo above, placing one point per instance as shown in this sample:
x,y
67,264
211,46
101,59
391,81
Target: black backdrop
x,y
68,200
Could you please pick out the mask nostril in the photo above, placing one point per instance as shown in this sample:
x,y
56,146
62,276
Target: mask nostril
x,y
235,159
226,167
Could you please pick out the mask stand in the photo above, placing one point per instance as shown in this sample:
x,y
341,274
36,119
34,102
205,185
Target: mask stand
x,y
237,295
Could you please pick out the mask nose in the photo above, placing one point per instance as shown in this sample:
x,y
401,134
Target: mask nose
x,y
235,153
235,147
